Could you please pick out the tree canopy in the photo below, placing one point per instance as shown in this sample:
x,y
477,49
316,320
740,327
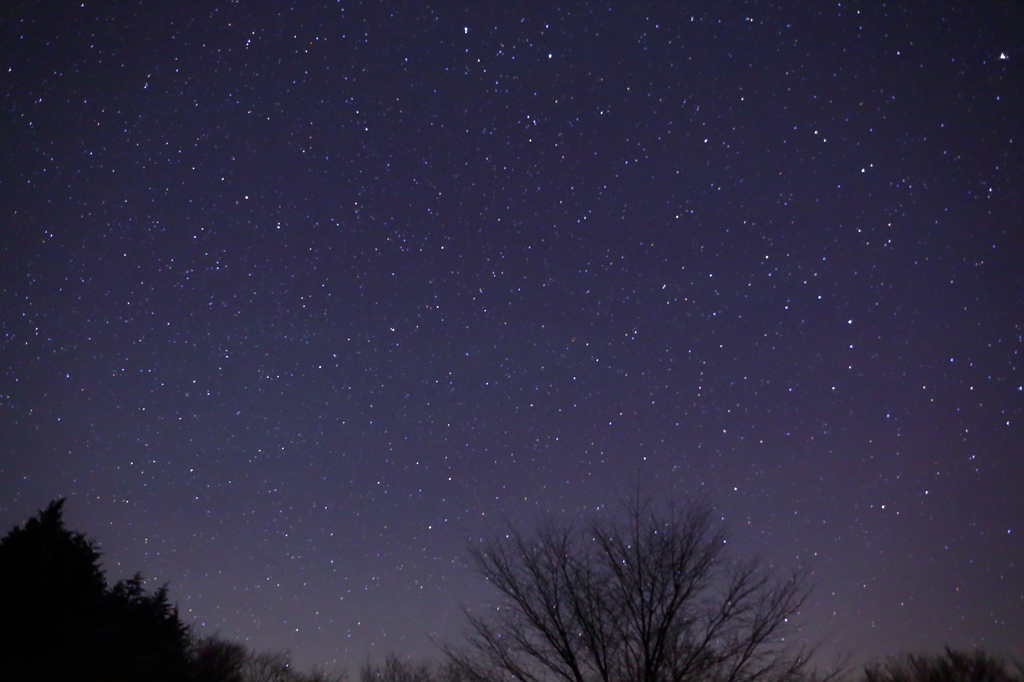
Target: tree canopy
x,y
61,620
644,595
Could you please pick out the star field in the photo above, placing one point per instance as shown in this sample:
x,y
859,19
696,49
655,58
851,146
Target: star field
x,y
297,299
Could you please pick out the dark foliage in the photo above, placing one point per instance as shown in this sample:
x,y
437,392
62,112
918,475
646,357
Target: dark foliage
x,y
59,620
147,639
949,666
217,660
51,599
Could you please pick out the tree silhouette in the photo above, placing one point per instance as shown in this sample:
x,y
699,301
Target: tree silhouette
x,y
949,666
59,620
149,640
52,593
644,596
394,669
213,659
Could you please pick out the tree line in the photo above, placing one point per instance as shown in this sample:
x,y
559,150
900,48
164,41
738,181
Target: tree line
x,y
646,593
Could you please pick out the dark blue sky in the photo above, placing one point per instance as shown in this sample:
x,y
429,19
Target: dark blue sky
x,y
296,299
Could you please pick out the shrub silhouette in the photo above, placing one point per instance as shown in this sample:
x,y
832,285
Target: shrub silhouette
x,y
213,659
394,669
949,666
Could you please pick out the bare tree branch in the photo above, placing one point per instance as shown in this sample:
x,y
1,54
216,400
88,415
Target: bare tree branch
x,y
644,596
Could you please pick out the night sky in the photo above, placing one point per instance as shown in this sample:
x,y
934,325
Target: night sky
x,y
298,298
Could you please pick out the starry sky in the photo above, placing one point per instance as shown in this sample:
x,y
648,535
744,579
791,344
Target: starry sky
x,y
298,298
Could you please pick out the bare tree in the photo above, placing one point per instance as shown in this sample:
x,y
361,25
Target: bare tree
x,y
394,669
322,674
950,666
647,595
268,666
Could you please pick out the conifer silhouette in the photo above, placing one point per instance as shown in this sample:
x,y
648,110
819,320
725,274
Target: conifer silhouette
x,y
59,619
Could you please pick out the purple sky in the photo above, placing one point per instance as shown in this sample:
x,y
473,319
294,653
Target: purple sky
x,y
297,299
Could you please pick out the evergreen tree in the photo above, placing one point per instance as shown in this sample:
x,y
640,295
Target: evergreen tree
x,y
52,593
59,619
149,641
